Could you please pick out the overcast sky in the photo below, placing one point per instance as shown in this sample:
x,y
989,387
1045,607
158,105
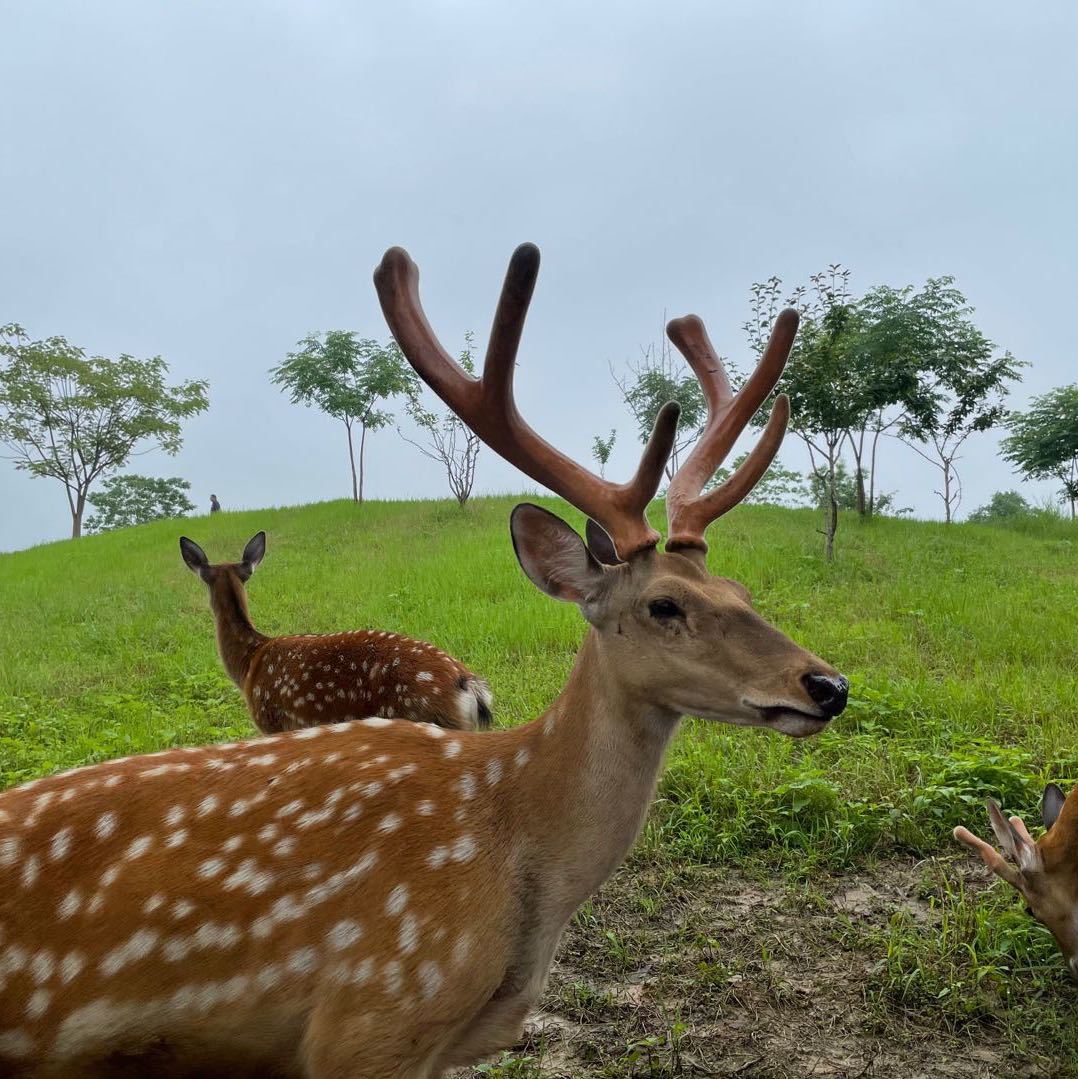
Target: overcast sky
x,y
211,182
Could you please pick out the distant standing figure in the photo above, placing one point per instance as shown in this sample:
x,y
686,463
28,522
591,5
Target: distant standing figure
x,y
215,506
310,679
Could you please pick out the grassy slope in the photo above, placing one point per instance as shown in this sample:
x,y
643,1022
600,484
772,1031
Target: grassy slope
x,y
960,643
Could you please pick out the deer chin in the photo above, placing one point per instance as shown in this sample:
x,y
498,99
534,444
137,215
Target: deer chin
x,y
786,719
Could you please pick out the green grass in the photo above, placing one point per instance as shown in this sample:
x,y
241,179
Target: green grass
x,y
960,643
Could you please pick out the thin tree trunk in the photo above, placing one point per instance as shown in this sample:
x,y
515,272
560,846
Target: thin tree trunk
x,y
832,513
858,448
352,462
362,447
872,473
76,515
947,491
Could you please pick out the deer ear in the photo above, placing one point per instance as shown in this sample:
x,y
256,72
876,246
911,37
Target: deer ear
x,y
601,545
193,555
254,552
1051,804
554,557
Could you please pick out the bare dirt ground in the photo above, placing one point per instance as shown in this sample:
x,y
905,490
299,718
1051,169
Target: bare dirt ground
x,y
708,972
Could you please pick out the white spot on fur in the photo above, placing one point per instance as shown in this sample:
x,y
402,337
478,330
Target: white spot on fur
x,y
463,849
452,748
38,1004
393,976
136,947
30,870
430,977
69,905
138,847
389,823
344,934
105,826
71,966
398,900
60,846
408,934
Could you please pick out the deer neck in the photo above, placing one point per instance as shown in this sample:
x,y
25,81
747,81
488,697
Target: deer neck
x,y
599,754
237,638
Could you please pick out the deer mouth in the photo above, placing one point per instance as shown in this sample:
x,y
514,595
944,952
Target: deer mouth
x,y
792,721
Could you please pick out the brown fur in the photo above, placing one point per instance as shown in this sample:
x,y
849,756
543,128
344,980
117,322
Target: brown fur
x,y
1045,872
301,681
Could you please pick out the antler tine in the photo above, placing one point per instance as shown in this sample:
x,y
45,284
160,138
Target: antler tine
x,y
509,315
688,512
487,406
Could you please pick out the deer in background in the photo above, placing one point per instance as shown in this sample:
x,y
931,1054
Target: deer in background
x,y
300,681
383,899
1044,872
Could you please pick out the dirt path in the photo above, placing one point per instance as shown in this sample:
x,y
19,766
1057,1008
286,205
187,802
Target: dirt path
x,y
708,972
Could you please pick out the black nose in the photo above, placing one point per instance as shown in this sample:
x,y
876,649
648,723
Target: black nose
x,y
828,691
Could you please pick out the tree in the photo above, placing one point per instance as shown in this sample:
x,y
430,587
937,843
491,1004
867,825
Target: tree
x,y
821,377
449,440
848,492
601,449
966,386
74,417
347,377
1043,442
133,500
1003,506
647,385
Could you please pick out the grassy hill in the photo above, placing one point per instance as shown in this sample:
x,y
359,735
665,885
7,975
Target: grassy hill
x,y
960,643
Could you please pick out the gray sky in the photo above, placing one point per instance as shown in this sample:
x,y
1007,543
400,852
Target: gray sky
x,y
210,182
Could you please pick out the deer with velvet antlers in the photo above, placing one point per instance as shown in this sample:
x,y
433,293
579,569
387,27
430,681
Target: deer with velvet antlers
x,y
1044,872
303,680
379,898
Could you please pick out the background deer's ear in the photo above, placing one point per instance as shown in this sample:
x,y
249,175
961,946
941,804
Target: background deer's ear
x,y
193,555
254,552
554,557
1051,804
601,545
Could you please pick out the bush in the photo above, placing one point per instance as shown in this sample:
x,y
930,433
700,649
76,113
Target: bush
x,y
133,500
1003,506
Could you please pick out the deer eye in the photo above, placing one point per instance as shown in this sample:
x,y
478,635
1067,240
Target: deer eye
x,y
665,608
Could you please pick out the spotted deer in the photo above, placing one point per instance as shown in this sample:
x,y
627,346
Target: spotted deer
x,y
1044,872
303,680
378,898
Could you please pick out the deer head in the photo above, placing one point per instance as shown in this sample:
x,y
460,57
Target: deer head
x,y
1044,872
214,575
667,632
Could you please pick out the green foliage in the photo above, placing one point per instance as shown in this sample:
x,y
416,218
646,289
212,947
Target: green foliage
x,y
1003,506
846,493
601,449
348,377
135,500
779,486
1043,443
74,418
658,377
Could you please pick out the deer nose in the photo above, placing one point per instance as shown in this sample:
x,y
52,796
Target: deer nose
x,y
828,691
